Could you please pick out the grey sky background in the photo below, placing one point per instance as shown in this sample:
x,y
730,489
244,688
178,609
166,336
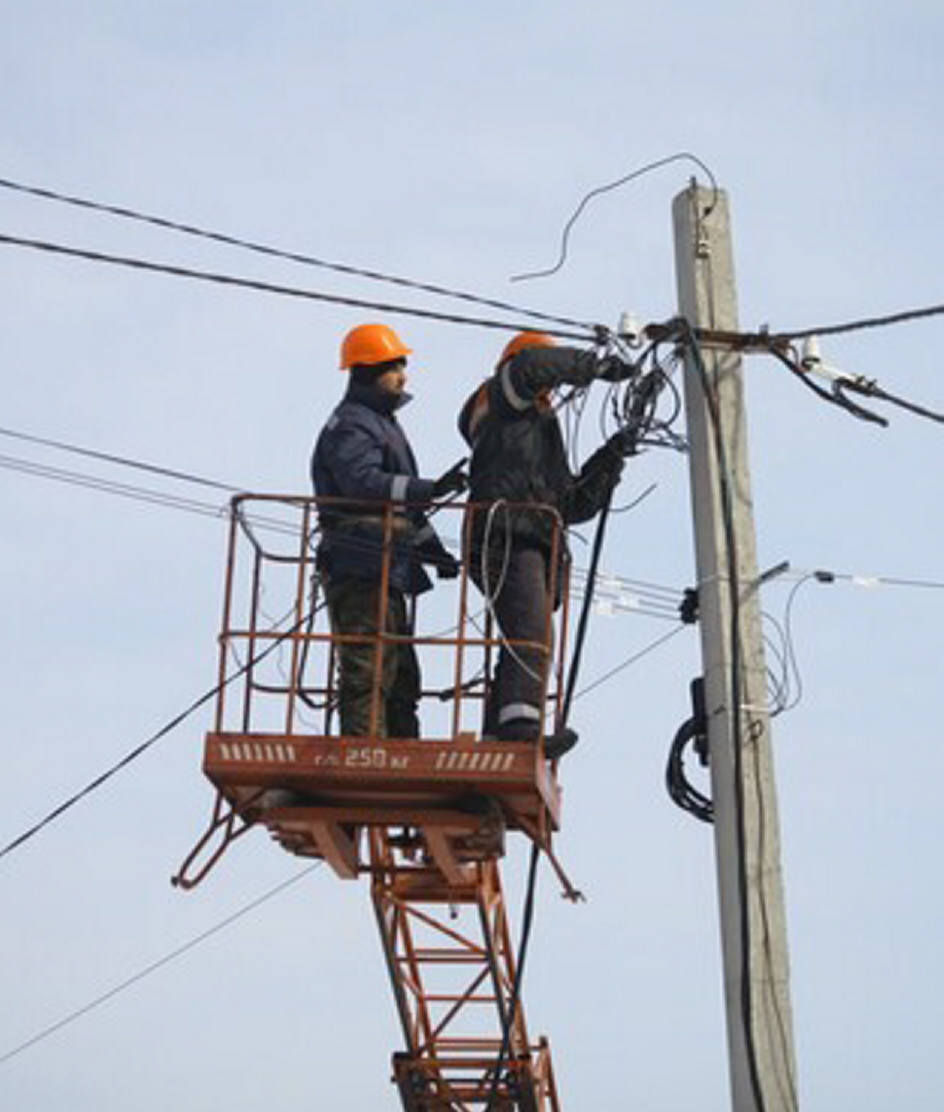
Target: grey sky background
x,y
450,142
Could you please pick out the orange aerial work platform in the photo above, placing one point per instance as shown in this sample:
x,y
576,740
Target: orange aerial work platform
x,y
426,818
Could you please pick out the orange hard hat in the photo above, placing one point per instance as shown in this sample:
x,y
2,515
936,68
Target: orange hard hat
x,y
369,344
525,340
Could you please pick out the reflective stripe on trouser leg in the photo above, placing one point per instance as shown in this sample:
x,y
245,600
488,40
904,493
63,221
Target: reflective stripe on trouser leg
x,y
513,711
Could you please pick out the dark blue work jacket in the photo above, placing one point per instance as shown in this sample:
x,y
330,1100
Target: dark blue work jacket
x,y
362,453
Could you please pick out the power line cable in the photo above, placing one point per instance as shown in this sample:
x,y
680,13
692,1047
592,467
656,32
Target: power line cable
x,y
123,461
156,965
647,169
109,486
139,750
508,1016
869,581
763,337
279,253
631,596
136,263
636,602
647,594
137,493
631,660
906,316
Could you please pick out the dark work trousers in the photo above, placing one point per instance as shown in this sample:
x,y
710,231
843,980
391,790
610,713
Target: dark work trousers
x,y
354,606
522,603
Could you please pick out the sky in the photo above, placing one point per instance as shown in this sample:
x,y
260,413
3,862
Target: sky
x,y
450,143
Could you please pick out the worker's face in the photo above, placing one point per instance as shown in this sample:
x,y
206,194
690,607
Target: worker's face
x,y
393,381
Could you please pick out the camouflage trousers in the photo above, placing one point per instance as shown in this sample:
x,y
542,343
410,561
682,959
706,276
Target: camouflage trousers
x,y
354,607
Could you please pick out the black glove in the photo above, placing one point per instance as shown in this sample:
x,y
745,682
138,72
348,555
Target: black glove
x,y
622,443
613,369
447,566
453,481
604,466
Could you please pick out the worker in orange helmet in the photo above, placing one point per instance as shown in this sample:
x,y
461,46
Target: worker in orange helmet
x,y
362,453
519,456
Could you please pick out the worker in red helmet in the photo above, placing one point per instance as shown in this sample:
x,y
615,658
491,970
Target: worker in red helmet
x,y
362,453
518,456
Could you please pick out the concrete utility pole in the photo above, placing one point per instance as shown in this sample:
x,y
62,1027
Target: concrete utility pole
x,y
747,840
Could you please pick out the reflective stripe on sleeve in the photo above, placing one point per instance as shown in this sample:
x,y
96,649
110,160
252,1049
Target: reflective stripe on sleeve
x,y
399,488
514,399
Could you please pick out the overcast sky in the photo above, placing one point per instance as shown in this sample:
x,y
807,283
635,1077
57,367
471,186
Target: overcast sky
x,y
450,142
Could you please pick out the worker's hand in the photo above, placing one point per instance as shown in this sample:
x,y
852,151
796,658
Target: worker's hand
x,y
453,481
613,369
622,443
447,566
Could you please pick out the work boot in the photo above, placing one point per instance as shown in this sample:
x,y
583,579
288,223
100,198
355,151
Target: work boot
x,y
527,729
560,742
519,729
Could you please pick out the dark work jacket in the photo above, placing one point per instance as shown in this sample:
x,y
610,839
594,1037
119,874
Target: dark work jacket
x,y
362,453
518,452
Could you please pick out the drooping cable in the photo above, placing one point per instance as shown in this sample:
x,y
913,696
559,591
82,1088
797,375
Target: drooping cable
x,y
573,669
630,661
508,1016
154,966
127,213
647,169
139,750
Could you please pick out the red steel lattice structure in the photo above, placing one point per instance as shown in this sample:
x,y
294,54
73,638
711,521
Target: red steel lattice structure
x,y
425,819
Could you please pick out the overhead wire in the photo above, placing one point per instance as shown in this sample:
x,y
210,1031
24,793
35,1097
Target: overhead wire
x,y
128,213
154,966
763,338
139,750
588,197
857,579
508,1014
630,661
632,594
235,281
123,461
134,493
906,316
109,486
875,322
